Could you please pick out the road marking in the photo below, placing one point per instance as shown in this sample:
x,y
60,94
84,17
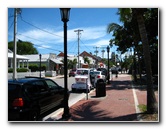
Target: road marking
x,y
136,104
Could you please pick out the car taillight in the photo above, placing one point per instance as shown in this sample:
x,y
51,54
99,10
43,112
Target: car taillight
x,y
82,79
98,76
18,102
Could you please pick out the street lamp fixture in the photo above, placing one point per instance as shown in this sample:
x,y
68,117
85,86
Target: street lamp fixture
x,y
65,12
108,76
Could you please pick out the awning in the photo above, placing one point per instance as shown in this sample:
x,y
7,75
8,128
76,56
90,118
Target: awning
x,y
56,61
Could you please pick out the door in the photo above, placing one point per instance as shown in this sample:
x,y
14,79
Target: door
x,y
56,92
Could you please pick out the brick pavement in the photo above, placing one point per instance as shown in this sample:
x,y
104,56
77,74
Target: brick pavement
x,y
119,104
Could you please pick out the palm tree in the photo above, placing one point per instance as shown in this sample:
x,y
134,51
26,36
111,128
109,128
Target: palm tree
x,y
151,100
86,60
126,16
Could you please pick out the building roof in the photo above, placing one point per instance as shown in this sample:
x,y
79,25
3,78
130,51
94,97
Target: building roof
x,y
36,58
56,61
84,53
61,54
44,58
10,55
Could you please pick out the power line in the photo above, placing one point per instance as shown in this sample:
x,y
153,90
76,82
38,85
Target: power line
x,y
85,45
103,51
40,28
73,46
41,46
36,39
96,51
11,25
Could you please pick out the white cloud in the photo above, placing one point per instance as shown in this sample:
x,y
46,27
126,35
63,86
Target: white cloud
x,y
44,47
49,36
91,33
100,43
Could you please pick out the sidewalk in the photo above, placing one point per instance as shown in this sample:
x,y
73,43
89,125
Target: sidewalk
x,y
120,104
117,105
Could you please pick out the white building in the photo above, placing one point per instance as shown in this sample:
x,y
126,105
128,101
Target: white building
x,y
22,61
50,60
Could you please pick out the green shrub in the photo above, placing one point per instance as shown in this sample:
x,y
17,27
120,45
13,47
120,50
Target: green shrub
x,y
36,67
142,107
22,70
10,70
43,67
33,67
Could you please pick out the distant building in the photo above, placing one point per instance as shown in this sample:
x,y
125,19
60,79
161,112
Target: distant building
x,y
93,60
22,61
50,60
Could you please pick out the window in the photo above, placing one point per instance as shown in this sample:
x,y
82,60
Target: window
x,y
40,84
52,84
82,72
31,89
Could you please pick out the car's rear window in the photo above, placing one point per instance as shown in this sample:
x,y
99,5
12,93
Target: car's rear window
x,y
12,87
96,72
82,72
13,90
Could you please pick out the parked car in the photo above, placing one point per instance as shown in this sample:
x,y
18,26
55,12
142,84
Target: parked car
x,y
99,75
92,76
82,80
72,73
104,70
28,98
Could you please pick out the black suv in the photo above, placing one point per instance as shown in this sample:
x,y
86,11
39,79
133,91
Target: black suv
x,y
28,98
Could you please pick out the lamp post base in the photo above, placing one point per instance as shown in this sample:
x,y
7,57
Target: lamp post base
x,y
108,80
66,116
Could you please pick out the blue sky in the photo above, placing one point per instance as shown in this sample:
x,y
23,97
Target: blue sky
x,y
44,28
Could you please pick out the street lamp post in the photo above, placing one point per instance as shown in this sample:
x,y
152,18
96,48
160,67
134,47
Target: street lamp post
x,y
117,69
65,12
108,77
40,64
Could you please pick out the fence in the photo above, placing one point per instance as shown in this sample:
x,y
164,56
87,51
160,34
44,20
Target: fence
x,y
23,74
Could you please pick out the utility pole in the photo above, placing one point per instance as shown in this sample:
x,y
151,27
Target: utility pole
x,y
78,33
103,51
96,51
16,11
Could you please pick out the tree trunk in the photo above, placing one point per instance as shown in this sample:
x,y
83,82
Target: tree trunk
x,y
151,100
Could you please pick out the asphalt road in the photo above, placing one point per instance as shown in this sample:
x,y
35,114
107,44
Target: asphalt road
x,y
60,81
74,97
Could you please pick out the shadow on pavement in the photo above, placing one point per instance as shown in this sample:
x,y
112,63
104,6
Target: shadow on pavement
x,y
87,111
122,85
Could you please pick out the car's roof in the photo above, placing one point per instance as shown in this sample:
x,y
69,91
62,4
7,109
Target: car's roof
x,y
83,69
24,80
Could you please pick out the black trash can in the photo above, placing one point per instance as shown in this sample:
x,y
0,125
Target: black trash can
x,y
100,88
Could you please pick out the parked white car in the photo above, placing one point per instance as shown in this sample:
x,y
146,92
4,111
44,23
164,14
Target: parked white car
x,y
82,80
99,75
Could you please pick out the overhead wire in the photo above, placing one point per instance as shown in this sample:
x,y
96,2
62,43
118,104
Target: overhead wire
x,y
40,28
45,32
11,25
41,46
36,39
85,45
